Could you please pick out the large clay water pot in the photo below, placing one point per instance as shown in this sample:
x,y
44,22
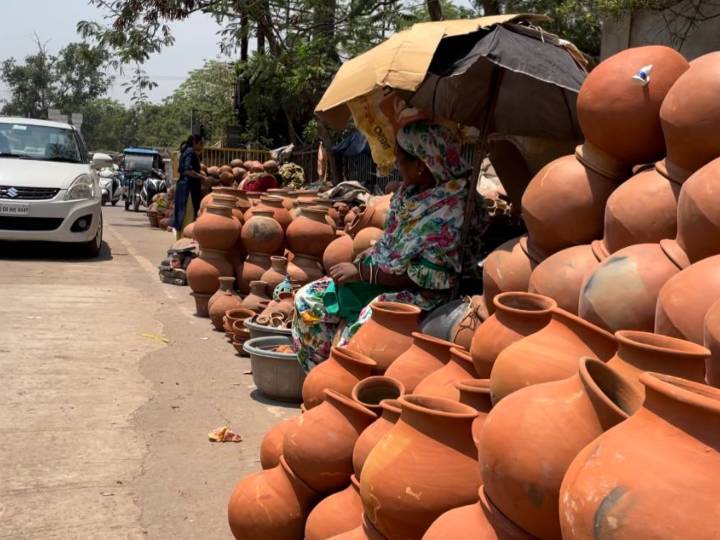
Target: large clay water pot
x,y
372,391
270,504
564,206
387,334
476,394
365,532
216,228
336,514
339,250
619,115
622,292
644,351
228,200
309,233
712,342
319,447
507,269
275,205
653,475
426,355
262,234
517,314
224,299
443,382
271,445
257,299
530,438
253,269
550,354
204,272
689,116
389,414
276,274
341,372
304,269
429,451
370,215
366,239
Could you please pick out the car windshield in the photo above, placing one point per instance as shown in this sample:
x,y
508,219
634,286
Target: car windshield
x,y
138,162
43,143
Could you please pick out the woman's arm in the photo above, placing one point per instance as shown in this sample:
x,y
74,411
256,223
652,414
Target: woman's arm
x,y
348,272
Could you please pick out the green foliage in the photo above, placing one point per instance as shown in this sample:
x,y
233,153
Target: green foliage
x,y
107,125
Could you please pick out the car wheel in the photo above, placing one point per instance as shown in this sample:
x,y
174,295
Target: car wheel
x,y
127,204
92,248
136,204
114,203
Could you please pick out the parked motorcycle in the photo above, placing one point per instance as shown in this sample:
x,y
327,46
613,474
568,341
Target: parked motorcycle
x,y
110,188
152,186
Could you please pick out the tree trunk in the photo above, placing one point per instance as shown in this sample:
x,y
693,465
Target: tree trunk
x,y
434,10
491,7
244,34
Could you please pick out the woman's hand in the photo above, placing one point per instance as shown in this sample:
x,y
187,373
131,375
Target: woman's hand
x,y
345,273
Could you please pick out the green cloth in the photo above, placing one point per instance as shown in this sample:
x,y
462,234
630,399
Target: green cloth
x,y
347,301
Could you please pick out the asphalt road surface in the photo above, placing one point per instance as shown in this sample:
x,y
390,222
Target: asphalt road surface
x,y
110,386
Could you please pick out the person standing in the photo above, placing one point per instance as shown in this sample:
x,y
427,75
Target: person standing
x,y
188,190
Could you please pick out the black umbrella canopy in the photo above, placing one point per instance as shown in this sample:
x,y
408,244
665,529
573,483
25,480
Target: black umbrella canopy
x,y
519,75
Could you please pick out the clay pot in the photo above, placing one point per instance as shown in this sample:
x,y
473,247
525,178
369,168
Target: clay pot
x,y
328,205
689,123
476,394
429,451
319,447
304,269
360,218
262,234
442,383
338,251
341,372
276,274
336,514
205,271
275,205
235,315
517,314
712,342
387,334
507,269
366,239
254,267
618,116
550,354
216,228
372,391
564,205
270,504
426,355
389,414
188,231
201,304
644,351
621,293
619,485
257,299
284,193
365,532
271,446
481,520
309,233
685,299
223,300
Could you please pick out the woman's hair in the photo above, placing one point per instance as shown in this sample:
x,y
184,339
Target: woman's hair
x,y
192,139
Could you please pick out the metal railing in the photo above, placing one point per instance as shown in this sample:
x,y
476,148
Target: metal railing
x,y
215,157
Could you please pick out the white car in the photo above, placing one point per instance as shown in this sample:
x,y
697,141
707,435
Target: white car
x,y
49,190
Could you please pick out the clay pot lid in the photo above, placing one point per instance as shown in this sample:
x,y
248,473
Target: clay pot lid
x,y
354,356
437,406
681,390
650,341
524,302
607,386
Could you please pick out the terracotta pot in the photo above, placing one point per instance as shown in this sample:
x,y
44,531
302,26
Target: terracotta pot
x,y
689,124
216,229
476,394
372,391
304,269
507,269
621,293
618,116
481,520
201,304
685,299
336,514
426,355
522,467
271,446
254,267
275,205
442,382
365,239
234,315
387,334
262,234
564,205
309,233
429,451
620,484
319,448
204,272
365,532
276,274
389,414
361,218
284,193
341,372
550,354
712,342
517,314
188,231
644,351
257,300
224,299
236,256
382,208
270,504
328,205
338,251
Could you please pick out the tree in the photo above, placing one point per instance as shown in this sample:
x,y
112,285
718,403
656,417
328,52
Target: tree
x,y
107,125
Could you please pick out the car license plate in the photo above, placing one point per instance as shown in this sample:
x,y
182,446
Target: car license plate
x,y
14,209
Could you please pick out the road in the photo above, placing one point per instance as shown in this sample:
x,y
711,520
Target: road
x,y
110,386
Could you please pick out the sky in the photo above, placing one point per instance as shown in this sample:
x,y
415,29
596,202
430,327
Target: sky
x,y
54,21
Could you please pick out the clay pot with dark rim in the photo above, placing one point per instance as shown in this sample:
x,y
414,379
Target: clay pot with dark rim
x,y
216,228
389,414
442,382
341,372
517,314
271,445
530,438
338,251
319,447
620,117
336,514
507,269
255,265
426,355
309,233
476,394
622,292
274,204
262,234
270,504
564,206
712,342
429,451
550,354
257,300
224,299
653,475
276,274
205,271
372,391
366,239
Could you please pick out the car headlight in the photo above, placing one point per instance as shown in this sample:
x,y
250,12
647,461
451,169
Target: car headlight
x,y
82,188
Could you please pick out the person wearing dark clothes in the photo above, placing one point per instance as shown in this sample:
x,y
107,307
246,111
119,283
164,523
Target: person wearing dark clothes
x,y
188,189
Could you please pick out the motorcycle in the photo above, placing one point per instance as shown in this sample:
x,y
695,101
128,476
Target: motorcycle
x,y
153,185
110,188
134,187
